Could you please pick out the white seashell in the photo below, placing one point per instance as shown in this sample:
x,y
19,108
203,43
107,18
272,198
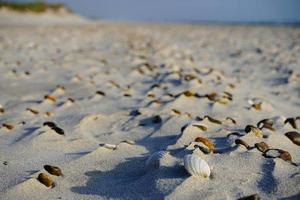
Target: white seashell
x,y
131,142
109,146
154,161
196,166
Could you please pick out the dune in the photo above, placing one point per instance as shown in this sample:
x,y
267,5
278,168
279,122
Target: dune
x,y
98,99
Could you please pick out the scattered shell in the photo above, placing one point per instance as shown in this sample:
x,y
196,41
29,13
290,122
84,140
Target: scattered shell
x,y
154,161
231,119
1,109
58,130
46,180
8,126
262,146
212,120
203,148
196,166
109,146
33,111
53,170
256,131
206,141
292,122
131,142
257,106
251,197
201,127
50,98
278,153
176,111
286,156
189,93
266,123
212,96
100,93
242,142
294,137
50,124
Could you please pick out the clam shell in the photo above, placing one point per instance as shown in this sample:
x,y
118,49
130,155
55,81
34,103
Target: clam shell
x,y
196,166
294,137
262,146
53,170
46,180
154,161
109,146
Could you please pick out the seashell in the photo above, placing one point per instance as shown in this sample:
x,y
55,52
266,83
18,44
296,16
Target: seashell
x,y
257,106
212,96
294,137
131,142
8,126
33,111
53,170
46,180
1,109
58,130
286,156
109,146
189,93
279,153
196,166
256,131
203,148
49,114
50,124
231,119
206,142
266,123
212,120
100,93
201,127
223,100
292,122
251,197
262,146
50,98
242,142
154,161
176,111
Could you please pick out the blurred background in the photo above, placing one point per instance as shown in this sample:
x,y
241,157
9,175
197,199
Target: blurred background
x,y
186,11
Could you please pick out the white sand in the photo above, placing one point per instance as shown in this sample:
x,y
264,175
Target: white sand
x,y
105,57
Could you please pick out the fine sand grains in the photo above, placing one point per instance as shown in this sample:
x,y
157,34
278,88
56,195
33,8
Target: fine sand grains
x,y
119,111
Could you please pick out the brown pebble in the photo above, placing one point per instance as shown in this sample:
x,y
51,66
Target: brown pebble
x,y
212,96
46,180
257,106
262,146
294,137
188,93
176,111
251,197
100,93
1,110
242,142
53,170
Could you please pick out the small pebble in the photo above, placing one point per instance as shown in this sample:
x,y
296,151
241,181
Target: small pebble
x,y
262,146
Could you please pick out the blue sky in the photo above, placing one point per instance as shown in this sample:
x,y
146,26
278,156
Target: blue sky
x,y
188,10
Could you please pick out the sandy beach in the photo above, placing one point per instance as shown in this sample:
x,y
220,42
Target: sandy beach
x,y
98,99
